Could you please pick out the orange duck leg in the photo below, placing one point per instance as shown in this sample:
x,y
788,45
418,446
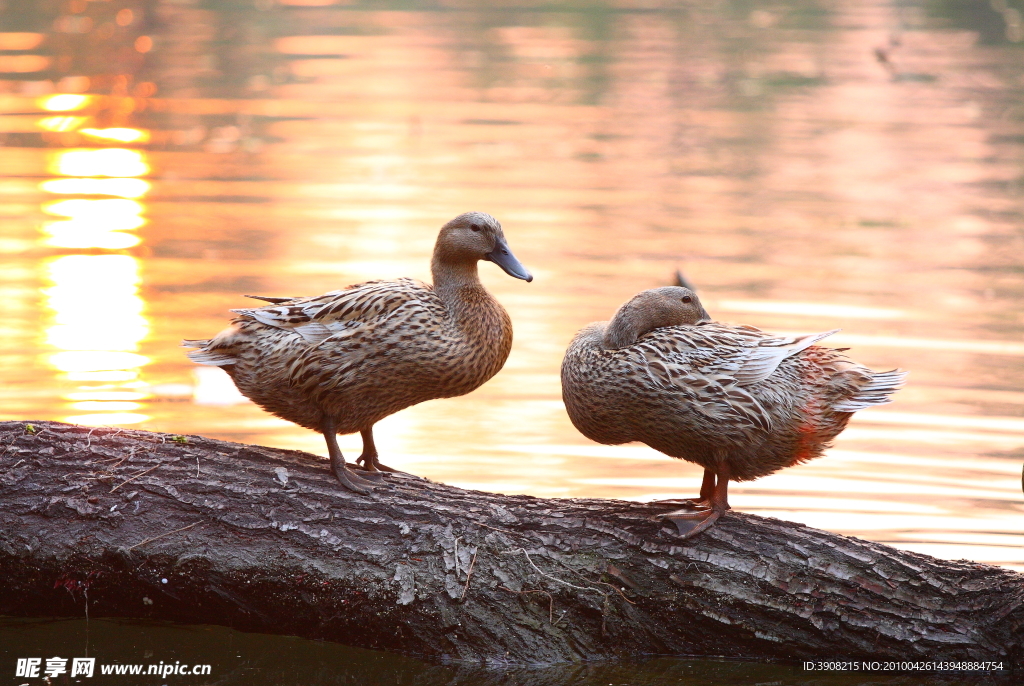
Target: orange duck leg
x,y
691,522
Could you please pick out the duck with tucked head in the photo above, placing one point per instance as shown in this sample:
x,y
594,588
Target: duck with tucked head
x,y
342,361
737,401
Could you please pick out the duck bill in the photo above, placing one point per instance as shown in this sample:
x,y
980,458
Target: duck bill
x,y
504,258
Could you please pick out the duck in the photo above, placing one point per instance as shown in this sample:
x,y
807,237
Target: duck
x,y
342,361
740,402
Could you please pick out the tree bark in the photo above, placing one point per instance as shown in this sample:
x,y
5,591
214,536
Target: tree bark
x,y
123,523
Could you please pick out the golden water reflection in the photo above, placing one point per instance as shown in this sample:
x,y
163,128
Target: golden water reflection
x,y
62,124
98,322
96,223
122,188
101,162
97,312
65,102
119,134
801,184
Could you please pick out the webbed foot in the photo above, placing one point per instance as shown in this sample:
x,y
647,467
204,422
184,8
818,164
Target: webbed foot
x,y
701,514
686,503
691,523
352,481
373,465
363,484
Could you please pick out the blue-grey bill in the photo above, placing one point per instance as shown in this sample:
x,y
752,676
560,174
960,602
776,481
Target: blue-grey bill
x,y
504,258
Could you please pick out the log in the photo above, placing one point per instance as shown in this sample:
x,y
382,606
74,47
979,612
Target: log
x,y
122,523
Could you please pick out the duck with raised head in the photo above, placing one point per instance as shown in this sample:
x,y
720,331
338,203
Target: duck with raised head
x,y
740,402
342,361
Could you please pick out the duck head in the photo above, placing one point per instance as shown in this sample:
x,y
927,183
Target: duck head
x,y
653,309
472,237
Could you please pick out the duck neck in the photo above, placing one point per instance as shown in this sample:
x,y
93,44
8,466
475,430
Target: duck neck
x,y
482,327
450,275
624,329
458,285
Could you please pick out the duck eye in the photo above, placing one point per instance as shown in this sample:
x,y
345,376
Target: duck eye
x,y
475,227
687,299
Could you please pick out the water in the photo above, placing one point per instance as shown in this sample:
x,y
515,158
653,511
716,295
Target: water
x,y
809,165
237,658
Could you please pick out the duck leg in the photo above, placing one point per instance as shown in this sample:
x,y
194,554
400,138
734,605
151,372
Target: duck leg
x,y
690,522
369,463
707,488
368,460
346,476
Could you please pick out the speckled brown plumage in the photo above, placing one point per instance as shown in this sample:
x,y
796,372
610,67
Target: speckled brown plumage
x,y
739,402
342,361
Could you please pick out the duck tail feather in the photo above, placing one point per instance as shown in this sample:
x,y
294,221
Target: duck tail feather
x,y
212,358
681,280
267,298
878,391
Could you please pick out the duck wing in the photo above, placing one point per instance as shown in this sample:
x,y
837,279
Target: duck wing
x,y
318,318
684,368
762,361
712,366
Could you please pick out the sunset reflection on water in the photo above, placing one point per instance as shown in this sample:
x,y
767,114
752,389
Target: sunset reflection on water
x,y
98,323
98,316
158,165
